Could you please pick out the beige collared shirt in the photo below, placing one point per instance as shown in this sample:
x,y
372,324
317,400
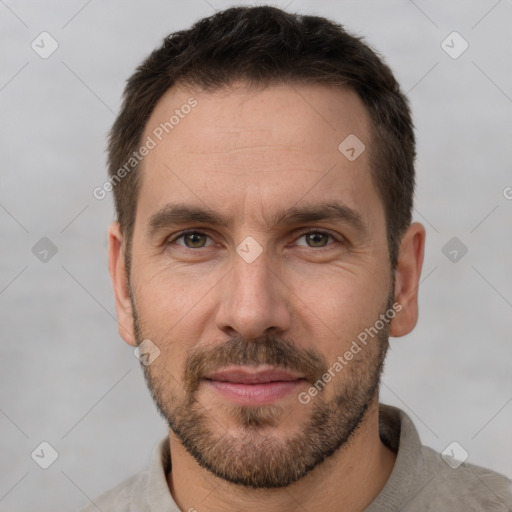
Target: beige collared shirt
x,y
421,479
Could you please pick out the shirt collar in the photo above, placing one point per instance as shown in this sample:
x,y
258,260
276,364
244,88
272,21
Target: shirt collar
x,y
398,433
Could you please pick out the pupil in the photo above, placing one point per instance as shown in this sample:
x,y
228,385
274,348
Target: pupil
x,y
317,238
195,239
314,238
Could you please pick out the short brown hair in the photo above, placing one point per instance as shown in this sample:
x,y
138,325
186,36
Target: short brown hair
x,y
263,46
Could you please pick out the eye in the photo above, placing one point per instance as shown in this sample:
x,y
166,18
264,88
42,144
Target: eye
x,y
198,239
192,240
316,239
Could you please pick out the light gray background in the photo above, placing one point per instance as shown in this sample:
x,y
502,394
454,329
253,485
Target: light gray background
x,y
67,377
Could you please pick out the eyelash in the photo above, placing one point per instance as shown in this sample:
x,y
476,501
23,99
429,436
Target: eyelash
x,y
183,234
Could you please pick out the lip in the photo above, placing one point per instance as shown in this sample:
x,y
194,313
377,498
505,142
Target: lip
x,y
244,375
244,386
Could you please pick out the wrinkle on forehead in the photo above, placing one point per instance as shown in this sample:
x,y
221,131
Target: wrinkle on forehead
x,y
255,153
236,118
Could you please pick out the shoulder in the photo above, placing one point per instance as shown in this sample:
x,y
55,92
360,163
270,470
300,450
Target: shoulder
x,y
462,487
143,490
116,499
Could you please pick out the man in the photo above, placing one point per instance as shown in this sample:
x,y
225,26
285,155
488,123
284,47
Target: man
x,y
262,166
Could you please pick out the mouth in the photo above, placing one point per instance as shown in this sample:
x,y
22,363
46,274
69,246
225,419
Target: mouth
x,y
246,386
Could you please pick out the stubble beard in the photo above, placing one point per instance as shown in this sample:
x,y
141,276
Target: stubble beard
x,y
254,455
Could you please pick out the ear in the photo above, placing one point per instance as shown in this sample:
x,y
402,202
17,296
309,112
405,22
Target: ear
x,y
117,268
407,276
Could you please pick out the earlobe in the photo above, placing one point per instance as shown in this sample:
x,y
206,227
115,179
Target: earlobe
x,y
118,274
407,276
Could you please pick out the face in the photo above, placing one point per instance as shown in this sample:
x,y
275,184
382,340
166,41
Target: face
x,y
259,256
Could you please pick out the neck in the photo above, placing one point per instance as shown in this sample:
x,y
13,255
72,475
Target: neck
x,y
353,476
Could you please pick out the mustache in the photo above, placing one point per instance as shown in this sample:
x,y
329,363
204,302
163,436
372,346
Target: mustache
x,y
270,350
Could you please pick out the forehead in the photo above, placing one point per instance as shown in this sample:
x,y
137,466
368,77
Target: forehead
x,y
273,144
242,116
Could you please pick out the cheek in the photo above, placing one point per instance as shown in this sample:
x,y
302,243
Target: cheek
x,y
337,306
173,309
170,292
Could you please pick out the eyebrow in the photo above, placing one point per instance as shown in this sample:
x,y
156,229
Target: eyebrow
x,y
175,214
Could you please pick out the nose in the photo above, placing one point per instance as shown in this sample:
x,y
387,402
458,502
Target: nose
x,y
253,300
